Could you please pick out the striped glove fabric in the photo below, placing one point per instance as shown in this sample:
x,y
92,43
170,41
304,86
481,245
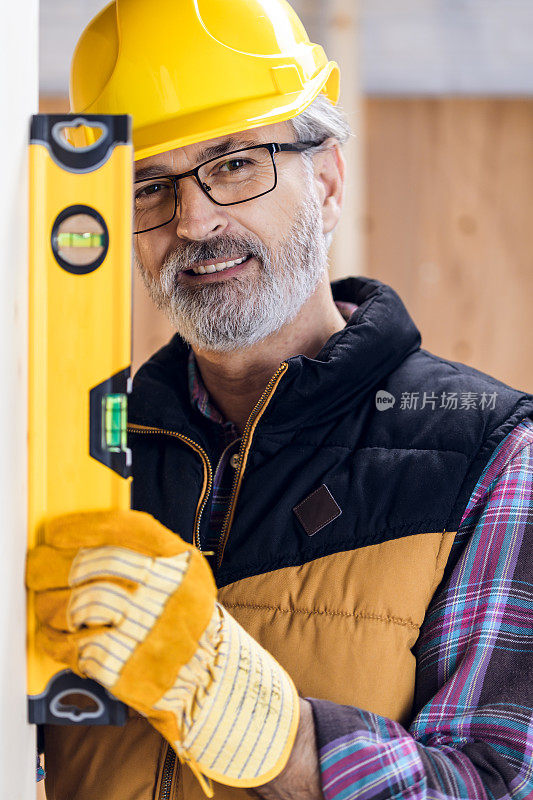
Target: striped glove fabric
x,y
124,601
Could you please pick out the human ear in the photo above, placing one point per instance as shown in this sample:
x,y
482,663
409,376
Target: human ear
x,y
330,170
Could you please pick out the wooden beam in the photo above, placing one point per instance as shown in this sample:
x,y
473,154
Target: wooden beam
x,y
335,25
342,46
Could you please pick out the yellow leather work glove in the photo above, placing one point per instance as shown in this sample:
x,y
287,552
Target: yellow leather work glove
x,y
126,602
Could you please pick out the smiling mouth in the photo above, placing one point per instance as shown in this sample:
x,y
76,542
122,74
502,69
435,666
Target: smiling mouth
x,y
210,269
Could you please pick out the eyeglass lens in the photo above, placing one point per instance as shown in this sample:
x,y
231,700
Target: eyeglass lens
x,y
229,179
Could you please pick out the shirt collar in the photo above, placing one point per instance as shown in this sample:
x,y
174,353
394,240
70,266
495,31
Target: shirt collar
x,y
198,394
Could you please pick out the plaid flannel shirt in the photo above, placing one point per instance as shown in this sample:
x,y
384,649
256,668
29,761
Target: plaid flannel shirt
x,y
471,737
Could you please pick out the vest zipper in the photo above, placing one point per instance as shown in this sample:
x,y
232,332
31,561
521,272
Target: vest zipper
x,y
169,768
170,757
244,450
169,765
208,472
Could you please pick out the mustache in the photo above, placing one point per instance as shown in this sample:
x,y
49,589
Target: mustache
x,y
226,247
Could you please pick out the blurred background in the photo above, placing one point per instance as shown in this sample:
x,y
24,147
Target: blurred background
x,y
439,200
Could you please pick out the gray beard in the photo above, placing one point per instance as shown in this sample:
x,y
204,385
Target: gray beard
x,y
241,311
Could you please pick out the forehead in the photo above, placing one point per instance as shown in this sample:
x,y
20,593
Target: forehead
x,y
184,158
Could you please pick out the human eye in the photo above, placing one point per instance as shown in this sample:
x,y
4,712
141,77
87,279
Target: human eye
x,y
151,191
234,164
237,164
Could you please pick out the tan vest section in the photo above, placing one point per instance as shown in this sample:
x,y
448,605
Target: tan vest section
x,y
343,626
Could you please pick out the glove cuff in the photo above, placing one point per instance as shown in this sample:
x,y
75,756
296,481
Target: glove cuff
x,y
241,731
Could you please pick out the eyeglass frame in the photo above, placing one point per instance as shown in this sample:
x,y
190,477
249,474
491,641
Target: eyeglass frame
x,y
272,147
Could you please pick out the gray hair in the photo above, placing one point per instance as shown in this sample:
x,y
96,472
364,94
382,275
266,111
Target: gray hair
x,y
320,121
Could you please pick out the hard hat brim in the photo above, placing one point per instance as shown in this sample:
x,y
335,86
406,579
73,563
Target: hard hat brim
x,y
237,117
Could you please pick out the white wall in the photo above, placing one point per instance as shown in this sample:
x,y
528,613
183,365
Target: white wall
x,y
18,100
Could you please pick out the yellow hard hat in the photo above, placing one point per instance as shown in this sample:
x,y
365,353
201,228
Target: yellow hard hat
x,y
192,70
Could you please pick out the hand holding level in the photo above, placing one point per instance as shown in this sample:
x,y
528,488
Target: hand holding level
x,y
123,600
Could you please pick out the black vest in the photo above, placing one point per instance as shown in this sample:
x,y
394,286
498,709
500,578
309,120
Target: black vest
x,y
398,436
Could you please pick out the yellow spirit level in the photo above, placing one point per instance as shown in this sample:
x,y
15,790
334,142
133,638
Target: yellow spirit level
x,y
79,357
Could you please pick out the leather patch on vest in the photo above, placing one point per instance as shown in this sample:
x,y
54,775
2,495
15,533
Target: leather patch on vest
x,y
317,510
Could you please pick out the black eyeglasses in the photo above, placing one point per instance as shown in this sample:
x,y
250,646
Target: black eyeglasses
x,y
230,179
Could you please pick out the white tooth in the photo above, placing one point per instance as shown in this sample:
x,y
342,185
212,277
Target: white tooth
x,y
210,268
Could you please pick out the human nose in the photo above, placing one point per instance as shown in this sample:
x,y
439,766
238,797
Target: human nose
x,y
197,216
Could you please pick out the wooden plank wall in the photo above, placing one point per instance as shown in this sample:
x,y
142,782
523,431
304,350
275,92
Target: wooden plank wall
x,y
448,223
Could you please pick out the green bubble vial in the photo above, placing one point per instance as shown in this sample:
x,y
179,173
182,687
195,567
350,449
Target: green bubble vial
x,y
115,407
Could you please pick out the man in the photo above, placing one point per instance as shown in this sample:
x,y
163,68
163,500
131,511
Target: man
x,y
363,504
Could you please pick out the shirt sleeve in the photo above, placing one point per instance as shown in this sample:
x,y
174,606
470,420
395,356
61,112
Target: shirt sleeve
x,y
472,732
